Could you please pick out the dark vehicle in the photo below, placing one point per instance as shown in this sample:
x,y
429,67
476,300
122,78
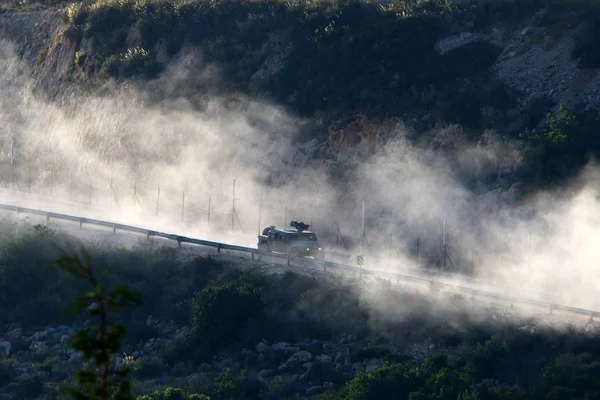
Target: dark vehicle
x,y
299,242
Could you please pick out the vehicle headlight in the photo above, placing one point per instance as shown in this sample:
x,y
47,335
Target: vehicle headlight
x,y
320,248
308,249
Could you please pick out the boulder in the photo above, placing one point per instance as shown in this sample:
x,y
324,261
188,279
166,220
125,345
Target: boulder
x,y
5,348
313,390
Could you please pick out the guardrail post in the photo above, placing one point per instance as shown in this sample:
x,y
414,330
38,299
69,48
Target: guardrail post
x,y
47,218
550,309
252,253
114,228
148,235
218,247
80,223
179,243
591,316
288,259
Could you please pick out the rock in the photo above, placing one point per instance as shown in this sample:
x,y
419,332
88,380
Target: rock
x,y
296,360
313,390
345,368
328,348
199,379
265,373
226,363
314,348
329,385
306,375
14,334
205,367
23,377
262,347
356,367
301,357
280,346
5,348
347,376
62,355
526,31
324,358
38,347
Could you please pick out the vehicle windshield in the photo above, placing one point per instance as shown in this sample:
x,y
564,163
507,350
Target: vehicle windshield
x,y
297,237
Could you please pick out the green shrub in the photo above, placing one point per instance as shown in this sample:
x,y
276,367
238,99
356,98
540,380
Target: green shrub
x,y
230,386
402,72
171,393
483,359
219,314
30,291
562,146
392,381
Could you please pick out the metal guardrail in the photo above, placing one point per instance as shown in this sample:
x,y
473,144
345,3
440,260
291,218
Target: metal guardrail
x,y
324,264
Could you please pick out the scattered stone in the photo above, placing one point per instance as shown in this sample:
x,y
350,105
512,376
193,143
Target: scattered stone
x,y
5,348
280,346
324,358
373,364
313,390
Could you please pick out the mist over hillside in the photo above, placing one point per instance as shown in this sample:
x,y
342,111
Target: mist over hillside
x,y
108,104
466,129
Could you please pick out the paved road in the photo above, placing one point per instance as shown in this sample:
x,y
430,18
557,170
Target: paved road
x,y
104,238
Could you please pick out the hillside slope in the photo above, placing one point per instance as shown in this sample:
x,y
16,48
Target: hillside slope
x,y
432,112
353,68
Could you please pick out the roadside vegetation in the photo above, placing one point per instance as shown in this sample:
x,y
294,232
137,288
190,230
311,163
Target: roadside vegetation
x,y
230,315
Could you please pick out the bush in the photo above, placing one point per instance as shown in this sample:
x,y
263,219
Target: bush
x,y
30,291
402,72
483,359
171,393
219,314
562,146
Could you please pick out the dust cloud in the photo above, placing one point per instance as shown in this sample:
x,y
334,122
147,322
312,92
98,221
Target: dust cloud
x,y
166,157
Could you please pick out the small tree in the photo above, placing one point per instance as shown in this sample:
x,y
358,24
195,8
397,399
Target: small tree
x,y
557,129
100,341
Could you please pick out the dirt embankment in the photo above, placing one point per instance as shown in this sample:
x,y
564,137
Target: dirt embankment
x,y
37,37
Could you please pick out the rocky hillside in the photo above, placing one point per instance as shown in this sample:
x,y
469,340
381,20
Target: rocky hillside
x,y
356,69
309,338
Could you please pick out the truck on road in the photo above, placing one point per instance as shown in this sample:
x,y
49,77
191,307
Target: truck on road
x,y
297,242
